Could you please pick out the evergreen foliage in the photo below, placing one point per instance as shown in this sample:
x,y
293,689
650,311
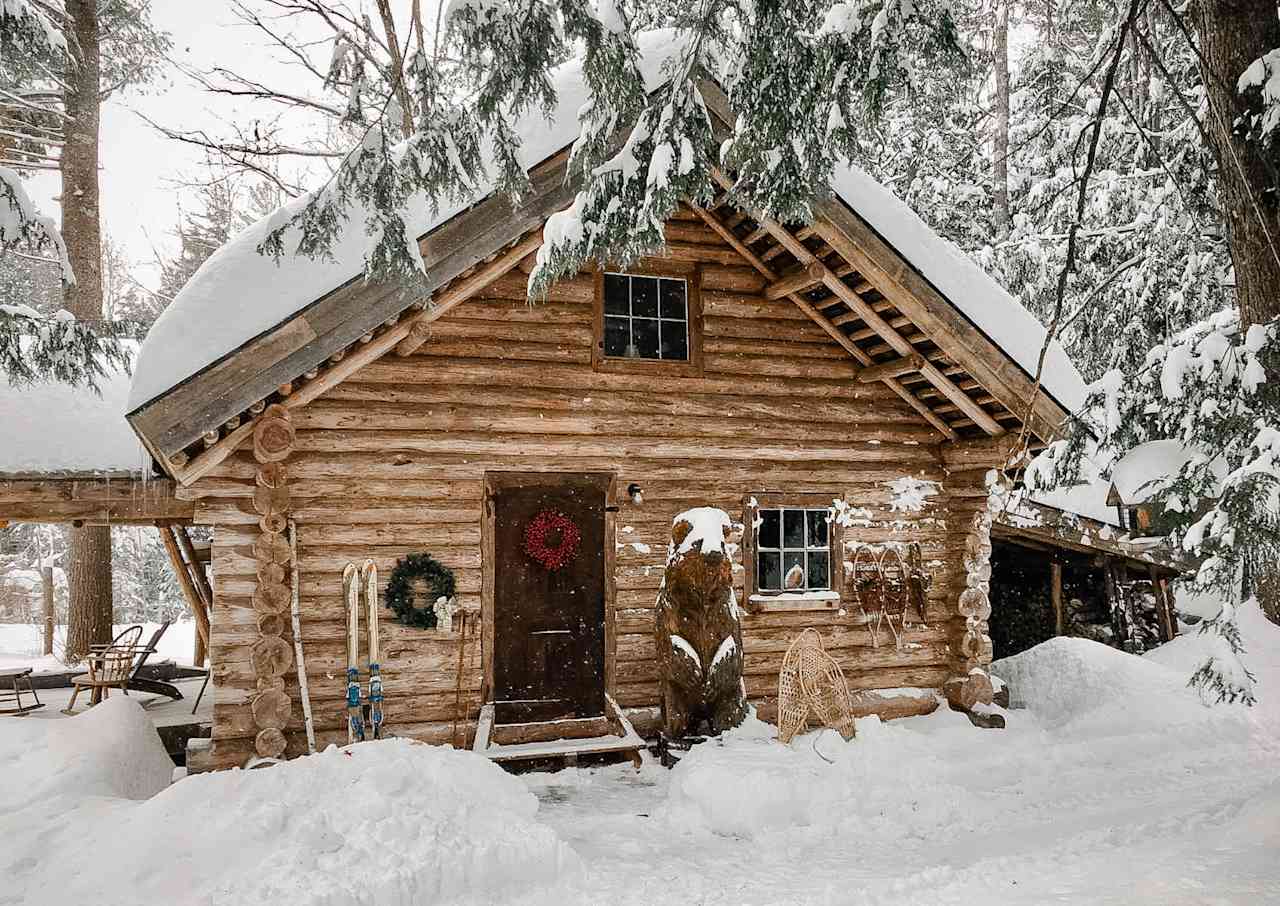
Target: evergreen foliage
x,y
1213,389
36,61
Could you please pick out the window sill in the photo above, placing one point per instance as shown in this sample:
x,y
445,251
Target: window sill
x,y
809,600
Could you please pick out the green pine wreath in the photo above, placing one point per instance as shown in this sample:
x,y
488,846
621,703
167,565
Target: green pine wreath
x,y
401,595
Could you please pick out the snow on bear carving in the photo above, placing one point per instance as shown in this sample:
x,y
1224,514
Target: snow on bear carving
x,y
699,628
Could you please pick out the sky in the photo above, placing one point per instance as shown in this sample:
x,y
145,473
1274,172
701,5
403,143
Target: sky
x,y
140,202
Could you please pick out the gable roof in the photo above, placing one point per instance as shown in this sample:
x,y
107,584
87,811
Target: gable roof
x,y
203,362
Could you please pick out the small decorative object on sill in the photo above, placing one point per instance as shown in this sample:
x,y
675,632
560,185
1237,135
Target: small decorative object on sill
x,y
551,538
811,682
885,583
401,594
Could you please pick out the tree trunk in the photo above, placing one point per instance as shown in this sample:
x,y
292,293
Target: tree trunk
x,y
48,616
1234,33
89,581
89,553
1001,144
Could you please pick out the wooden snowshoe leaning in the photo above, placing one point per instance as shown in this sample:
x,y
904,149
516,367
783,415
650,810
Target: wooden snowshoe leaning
x,y
811,682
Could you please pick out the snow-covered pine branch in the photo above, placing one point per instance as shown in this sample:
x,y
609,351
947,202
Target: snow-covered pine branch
x,y
1212,394
799,77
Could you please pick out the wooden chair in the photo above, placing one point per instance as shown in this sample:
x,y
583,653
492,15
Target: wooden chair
x,y
109,665
139,683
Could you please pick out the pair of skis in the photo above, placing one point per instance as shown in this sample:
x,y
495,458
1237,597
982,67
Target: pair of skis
x,y
354,581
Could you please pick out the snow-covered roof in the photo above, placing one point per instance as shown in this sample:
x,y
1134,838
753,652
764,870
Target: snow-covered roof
x,y
1148,469
239,294
1089,500
52,427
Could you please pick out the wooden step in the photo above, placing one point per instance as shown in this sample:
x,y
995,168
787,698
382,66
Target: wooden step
x,y
618,736
547,731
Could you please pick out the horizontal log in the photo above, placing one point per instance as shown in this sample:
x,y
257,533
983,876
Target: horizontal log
x,y
803,279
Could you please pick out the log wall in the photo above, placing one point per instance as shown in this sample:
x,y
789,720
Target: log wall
x,y
392,462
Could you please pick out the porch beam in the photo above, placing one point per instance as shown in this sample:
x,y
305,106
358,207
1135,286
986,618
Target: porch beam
x,y
893,369
804,279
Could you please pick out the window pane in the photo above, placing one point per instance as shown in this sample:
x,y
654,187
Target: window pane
x,y
793,571
769,521
644,296
615,294
673,303
793,528
819,569
768,575
817,520
644,333
616,336
675,341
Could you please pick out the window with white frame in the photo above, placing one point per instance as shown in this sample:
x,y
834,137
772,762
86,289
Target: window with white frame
x,y
793,550
646,317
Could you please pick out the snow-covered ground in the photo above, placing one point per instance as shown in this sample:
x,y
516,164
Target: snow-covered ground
x,y
21,644
1113,785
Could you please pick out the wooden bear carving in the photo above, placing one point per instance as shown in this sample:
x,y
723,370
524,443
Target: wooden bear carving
x,y
699,628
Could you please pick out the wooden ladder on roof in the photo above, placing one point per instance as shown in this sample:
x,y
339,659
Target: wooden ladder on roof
x,y
188,562
562,740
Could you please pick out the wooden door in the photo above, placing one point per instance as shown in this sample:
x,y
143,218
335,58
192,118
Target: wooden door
x,y
549,635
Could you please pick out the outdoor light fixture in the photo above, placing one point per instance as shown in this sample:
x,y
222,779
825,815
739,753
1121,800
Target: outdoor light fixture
x,y
636,493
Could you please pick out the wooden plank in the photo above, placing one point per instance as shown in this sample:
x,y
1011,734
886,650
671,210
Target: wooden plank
x,y
806,278
893,369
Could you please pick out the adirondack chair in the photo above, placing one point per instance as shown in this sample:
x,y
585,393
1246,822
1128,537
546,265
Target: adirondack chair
x,y
109,667
140,683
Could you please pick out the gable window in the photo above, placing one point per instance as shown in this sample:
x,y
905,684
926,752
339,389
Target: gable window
x,y
649,321
646,317
793,550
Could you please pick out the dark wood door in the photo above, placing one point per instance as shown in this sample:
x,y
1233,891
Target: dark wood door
x,y
548,623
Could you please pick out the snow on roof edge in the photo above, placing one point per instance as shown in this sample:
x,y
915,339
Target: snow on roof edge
x,y
165,360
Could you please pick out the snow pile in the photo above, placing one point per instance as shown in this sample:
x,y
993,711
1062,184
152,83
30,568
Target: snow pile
x,y
747,785
1068,682
111,751
1258,635
50,426
386,823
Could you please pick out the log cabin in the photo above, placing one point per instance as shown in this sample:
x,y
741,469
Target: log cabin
x,y
842,384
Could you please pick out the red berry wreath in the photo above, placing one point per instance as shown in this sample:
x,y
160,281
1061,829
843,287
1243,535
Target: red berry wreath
x,y
552,539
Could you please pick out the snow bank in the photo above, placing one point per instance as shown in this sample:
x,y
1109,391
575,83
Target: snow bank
x,y
1067,681
747,785
110,751
50,426
383,823
1259,637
